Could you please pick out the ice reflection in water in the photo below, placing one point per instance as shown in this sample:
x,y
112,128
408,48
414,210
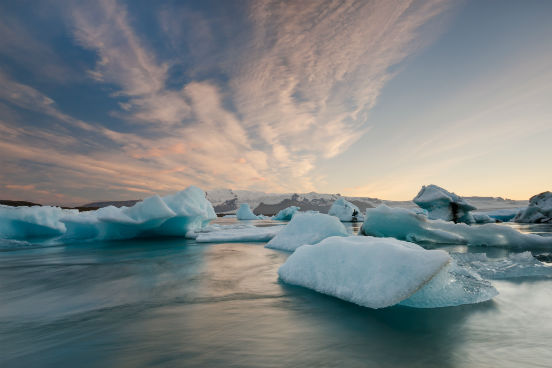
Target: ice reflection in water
x,y
174,303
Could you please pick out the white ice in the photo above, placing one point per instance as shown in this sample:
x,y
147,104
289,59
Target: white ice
x,y
538,211
286,214
444,205
345,211
307,228
371,272
399,223
245,213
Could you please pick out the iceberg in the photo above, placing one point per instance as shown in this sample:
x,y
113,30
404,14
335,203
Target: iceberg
x,y
538,211
286,214
444,205
245,213
345,211
307,228
32,222
378,273
172,215
402,224
514,266
244,234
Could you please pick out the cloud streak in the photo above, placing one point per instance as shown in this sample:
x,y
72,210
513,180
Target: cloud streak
x,y
296,89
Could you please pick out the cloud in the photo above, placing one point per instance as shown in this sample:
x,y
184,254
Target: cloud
x,y
298,87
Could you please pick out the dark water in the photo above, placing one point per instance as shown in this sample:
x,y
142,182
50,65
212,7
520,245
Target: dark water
x,y
175,303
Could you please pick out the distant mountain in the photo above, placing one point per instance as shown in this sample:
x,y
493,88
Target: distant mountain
x,y
129,203
7,202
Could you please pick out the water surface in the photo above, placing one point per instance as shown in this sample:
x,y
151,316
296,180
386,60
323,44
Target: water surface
x,y
174,303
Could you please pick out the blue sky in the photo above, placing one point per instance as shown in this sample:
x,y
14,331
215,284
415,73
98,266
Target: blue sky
x,y
118,100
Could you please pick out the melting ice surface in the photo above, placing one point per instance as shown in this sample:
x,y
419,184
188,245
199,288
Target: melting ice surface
x,y
402,224
236,233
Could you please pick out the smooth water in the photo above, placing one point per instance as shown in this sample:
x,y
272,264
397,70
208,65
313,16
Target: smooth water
x,y
176,303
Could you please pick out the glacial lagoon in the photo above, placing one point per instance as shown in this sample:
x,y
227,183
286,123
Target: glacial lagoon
x,y
173,302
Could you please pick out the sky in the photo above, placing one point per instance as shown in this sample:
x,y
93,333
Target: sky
x,y
115,100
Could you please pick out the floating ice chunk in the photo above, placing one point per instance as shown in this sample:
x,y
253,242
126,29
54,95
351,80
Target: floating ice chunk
x,y
452,286
402,224
444,205
515,265
245,213
372,272
286,214
248,234
345,211
307,228
31,222
538,211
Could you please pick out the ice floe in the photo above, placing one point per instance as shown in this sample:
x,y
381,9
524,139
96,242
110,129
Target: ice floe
x,y
345,211
307,228
538,211
444,205
378,272
243,234
399,223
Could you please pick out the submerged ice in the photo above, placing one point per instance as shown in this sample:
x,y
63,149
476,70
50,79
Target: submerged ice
x,y
377,273
172,215
402,224
248,233
513,266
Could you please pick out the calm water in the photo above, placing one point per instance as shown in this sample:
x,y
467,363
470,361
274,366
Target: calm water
x,y
176,303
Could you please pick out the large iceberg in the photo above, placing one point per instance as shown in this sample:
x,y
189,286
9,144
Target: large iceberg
x,y
31,222
286,214
172,215
245,213
377,273
444,205
345,211
538,211
400,223
307,228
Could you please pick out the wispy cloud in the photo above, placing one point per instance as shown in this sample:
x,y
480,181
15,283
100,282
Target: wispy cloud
x,y
298,88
